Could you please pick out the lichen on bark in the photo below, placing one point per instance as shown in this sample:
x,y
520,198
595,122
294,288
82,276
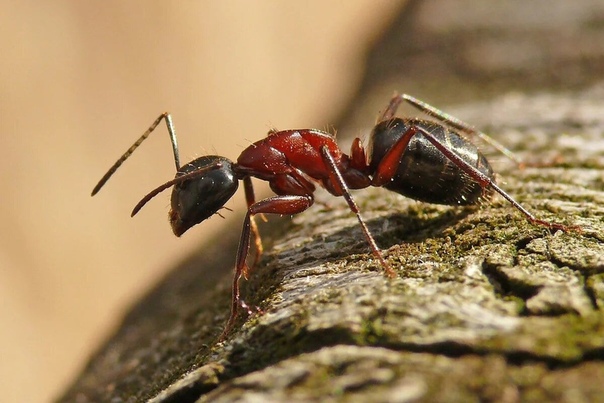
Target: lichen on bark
x,y
484,304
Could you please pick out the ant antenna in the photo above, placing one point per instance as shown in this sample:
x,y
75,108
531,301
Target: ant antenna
x,y
179,179
137,143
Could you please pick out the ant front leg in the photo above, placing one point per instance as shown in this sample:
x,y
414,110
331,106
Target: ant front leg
x,y
251,199
286,205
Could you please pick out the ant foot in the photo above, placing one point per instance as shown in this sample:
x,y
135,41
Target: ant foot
x,y
561,227
250,309
556,160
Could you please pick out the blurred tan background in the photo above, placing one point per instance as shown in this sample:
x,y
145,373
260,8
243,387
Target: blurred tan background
x,y
80,81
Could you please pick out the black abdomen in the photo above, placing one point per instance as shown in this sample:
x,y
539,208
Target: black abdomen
x,y
424,173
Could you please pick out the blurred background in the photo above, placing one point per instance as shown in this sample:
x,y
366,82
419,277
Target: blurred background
x,y
80,81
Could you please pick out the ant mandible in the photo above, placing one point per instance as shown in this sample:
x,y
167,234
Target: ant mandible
x,y
420,159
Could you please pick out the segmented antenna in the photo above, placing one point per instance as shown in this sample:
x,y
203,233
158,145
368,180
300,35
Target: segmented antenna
x,y
137,143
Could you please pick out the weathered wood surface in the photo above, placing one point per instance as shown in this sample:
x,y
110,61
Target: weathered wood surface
x,y
485,305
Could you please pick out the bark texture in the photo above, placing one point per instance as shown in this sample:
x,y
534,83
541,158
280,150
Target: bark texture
x,y
485,307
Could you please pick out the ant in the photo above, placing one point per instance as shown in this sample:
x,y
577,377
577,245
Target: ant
x,y
421,159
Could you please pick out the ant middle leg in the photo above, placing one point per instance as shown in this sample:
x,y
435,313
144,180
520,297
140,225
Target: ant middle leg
x,y
342,187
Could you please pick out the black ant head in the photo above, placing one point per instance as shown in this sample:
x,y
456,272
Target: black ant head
x,y
193,200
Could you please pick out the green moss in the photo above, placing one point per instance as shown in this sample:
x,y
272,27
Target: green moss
x,y
372,332
564,340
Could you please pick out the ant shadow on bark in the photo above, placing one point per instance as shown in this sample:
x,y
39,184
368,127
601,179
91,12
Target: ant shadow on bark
x,y
409,228
302,255
290,259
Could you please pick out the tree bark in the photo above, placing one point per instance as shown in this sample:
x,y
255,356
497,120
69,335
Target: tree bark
x,y
485,306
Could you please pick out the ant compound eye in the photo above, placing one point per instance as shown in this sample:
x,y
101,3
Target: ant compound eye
x,y
198,199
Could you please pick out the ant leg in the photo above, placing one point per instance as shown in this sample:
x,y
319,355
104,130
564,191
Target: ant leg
x,y
251,199
389,163
164,116
451,121
485,181
286,205
340,186
390,111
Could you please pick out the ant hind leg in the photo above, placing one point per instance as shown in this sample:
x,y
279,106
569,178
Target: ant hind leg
x,y
485,181
452,122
